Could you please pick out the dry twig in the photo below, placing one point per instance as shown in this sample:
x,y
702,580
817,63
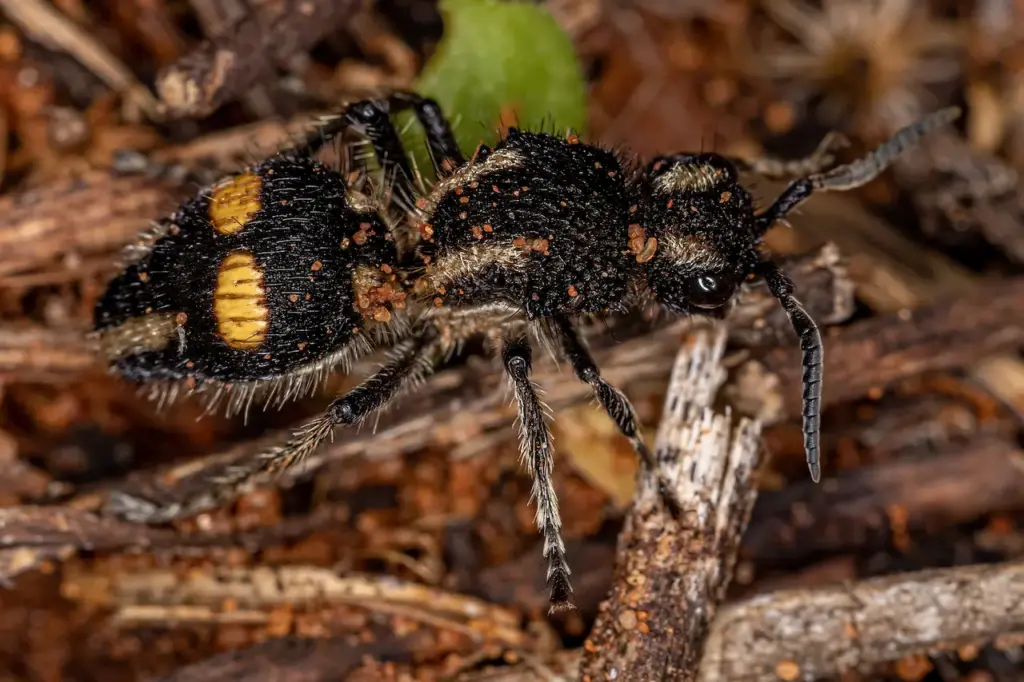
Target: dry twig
x,y
245,51
293,659
46,25
851,511
459,405
162,598
816,634
670,575
800,634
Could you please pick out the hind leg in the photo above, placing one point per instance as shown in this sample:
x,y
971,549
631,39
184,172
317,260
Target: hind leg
x,y
409,362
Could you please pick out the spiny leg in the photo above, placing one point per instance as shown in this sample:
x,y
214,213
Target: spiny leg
x,y
857,173
410,361
444,149
614,402
811,346
372,117
537,449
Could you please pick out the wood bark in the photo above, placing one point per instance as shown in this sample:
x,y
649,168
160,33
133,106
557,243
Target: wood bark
x,y
671,573
246,51
854,510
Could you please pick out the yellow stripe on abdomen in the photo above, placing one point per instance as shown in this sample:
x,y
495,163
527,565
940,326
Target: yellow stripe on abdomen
x,y
240,303
234,202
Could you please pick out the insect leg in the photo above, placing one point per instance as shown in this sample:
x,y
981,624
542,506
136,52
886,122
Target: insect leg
x,y
411,361
614,402
444,150
536,448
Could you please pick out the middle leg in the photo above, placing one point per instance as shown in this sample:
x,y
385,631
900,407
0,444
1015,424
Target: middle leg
x,y
614,402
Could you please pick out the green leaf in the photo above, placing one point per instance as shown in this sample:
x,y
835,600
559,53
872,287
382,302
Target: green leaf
x,y
500,63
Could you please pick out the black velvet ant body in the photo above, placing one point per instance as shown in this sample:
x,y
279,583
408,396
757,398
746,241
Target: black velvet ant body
x,y
282,272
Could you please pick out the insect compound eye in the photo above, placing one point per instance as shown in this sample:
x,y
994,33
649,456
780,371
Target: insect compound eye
x,y
709,290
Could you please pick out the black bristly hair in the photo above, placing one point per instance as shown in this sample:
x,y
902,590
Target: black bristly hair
x,y
283,271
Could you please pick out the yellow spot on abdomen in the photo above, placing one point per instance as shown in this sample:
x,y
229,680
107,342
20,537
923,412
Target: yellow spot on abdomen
x,y
239,302
234,202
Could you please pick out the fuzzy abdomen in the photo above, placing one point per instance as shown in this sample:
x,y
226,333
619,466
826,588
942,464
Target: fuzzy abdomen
x,y
264,274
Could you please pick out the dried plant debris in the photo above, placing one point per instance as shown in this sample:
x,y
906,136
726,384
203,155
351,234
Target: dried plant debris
x,y
408,548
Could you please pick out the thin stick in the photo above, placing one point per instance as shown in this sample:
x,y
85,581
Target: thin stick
x,y
670,576
48,26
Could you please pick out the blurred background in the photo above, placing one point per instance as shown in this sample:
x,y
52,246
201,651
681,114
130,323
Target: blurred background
x,y
923,460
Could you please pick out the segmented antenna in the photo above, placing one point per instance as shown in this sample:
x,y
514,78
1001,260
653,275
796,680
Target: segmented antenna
x,y
863,171
859,172
841,178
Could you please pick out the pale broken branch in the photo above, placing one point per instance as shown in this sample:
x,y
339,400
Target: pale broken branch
x,y
671,574
821,633
243,52
161,598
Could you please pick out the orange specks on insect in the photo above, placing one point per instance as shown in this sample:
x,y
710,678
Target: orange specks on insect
x,y
645,252
573,293
234,202
302,345
637,237
724,199
363,234
540,245
572,138
478,232
143,276
293,297
316,266
180,319
375,295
